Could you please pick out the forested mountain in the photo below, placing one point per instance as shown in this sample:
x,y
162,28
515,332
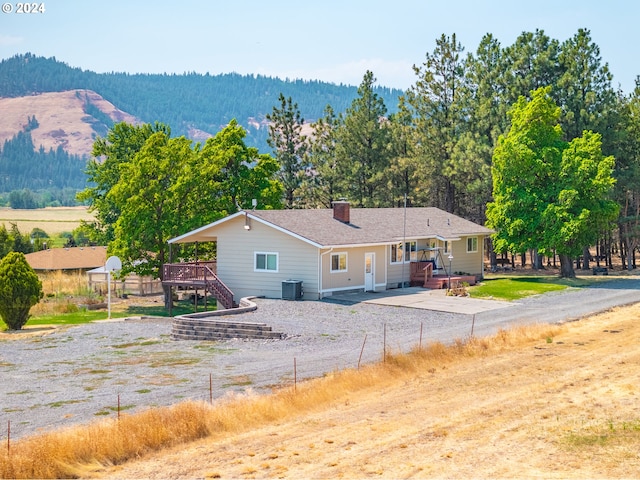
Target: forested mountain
x,y
189,102
194,105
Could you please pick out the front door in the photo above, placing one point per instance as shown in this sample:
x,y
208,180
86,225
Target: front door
x,y
369,271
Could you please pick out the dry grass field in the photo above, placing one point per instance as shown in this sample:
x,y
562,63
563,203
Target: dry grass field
x,y
53,220
534,402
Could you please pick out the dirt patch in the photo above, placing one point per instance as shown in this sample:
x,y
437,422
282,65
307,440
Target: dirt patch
x,y
563,407
27,332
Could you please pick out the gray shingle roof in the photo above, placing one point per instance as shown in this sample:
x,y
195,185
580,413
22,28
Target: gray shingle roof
x,y
370,225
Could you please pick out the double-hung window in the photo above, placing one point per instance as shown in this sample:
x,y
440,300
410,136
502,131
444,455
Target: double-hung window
x,y
472,244
403,252
265,262
338,262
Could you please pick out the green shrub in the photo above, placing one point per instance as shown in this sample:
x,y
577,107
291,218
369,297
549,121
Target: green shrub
x,y
20,289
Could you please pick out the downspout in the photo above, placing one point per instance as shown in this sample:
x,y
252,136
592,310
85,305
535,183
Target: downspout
x,y
387,256
320,285
404,240
170,288
484,249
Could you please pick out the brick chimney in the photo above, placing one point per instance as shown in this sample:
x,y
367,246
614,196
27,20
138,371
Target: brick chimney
x,y
341,211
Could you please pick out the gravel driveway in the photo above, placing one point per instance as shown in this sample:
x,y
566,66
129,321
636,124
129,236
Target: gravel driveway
x,y
77,374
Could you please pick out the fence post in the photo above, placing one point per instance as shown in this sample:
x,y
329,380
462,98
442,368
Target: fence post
x,y
295,375
362,350
384,345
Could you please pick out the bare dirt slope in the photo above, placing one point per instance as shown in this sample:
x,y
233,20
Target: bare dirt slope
x,y
61,117
567,407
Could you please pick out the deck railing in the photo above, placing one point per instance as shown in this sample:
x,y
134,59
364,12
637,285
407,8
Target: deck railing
x,y
176,272
198,274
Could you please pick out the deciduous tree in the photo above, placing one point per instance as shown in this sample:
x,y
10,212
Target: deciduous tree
x,y
153,198
232,175
167,186
549,195
118,147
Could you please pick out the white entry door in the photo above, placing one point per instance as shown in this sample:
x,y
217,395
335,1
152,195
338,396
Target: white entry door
x,y
369,271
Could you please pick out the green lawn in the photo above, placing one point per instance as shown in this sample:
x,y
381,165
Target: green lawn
x,y
74,318
86,316
513,288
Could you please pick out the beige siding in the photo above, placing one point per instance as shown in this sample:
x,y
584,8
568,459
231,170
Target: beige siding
x,y
467,262
463,261
397,272
353,278
297,260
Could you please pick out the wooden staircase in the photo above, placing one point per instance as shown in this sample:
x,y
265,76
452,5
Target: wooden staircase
x,y
421,273
220,291
198,276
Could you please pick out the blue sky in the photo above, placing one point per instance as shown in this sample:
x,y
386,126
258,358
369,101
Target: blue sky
x,y
330,40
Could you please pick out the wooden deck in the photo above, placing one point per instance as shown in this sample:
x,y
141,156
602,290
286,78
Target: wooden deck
x,y
440,281
198,275
422,276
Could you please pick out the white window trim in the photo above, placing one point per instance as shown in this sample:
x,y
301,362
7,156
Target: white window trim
x,y
346,261
265,270
413,252
476,242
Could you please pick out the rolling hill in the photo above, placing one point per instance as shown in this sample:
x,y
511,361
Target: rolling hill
x,y
52,112
194,105
62,117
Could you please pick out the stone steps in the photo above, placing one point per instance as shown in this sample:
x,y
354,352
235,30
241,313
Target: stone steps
x,y
184,328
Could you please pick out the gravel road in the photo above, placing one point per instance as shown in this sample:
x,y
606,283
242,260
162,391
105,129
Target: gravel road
x,y
76,374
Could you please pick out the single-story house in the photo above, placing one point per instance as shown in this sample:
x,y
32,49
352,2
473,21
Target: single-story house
x,y
336,250
67,258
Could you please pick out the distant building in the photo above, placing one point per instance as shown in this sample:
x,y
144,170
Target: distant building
x,y
91,260
67,259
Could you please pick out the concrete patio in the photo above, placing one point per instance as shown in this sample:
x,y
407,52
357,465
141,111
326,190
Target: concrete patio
x,y
418,297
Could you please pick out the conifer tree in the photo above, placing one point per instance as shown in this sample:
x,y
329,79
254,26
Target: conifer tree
x,y
289,146
363,148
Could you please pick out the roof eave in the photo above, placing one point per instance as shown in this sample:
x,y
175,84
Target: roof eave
x,y
184,238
